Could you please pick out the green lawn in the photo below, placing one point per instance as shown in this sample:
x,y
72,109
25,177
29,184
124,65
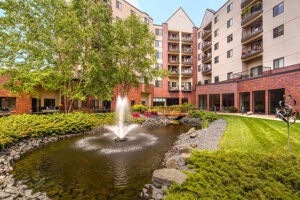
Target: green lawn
x,y
253,134
252,163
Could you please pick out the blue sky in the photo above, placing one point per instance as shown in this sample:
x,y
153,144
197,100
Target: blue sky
x,y
161,10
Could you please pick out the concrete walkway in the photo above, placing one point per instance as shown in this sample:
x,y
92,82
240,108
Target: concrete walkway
x,y
271,117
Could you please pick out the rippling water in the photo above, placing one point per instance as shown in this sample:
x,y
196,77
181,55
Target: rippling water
x,y
95,166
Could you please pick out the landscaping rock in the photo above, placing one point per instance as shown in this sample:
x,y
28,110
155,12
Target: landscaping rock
x,y
194,135
166,176
192,130
185,155
175,162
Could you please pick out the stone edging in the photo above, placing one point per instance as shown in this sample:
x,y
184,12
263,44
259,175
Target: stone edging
x,y
9,187
205,139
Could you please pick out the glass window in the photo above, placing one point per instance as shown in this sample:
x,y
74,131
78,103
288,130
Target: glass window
x,y
278,9
216,59
132,12
7,103
199,45
146,20
199,68
158,66
216,79
229,7
278,31
199,34
256,71
216,19
229,23
229,75
49,103
229,38
158,83
229,53
216,33
118,5
158,55
158,31
199,56
173,84
278,63
158,43
217,46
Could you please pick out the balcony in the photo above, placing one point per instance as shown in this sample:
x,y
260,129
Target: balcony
x,y
205,45
251,12
187,88
251,34
206,33
173,89
173,50
252,51
187,50
206,57
173,72
206,69
248,74
188,39
173,38
187,72
187,61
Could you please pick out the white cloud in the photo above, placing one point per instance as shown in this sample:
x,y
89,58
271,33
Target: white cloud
x,y
134,3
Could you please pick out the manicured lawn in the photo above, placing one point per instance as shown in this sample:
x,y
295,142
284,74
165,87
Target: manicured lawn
x,y
252,163
253,134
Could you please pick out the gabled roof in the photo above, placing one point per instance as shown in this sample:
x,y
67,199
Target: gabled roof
x,y
209,13
178,11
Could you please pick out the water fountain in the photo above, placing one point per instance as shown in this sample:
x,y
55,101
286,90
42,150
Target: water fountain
x,y
120,129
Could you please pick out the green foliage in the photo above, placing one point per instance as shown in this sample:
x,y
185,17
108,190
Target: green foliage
x,y
232,109
135,53
235,175
139,108
202,115
65,47
204,123
18,127
189,106
139,120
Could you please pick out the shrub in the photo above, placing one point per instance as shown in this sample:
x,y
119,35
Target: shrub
x,y
139,108
232,109
17,127
202,115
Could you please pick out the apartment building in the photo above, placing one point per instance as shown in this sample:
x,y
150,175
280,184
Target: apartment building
x,y
177,53
249,55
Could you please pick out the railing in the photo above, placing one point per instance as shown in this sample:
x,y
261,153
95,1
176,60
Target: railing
x,y
256,49
189,62
205,45
205,33
173,61
173,72
187,50
245,2
173,50
175,110
187,39
256,31
206,68
247,74
206,57
251,12
187,88
173,38
187,72
173,89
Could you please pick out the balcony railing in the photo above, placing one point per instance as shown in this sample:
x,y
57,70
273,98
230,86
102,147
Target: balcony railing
x,y
245,2
206,69
255,49
187,50
187,61
206,57
247,74
173,89
187,72
251,12
173,50
187,88
206,33
173,61
173,38
187,39
249,35
174,72
205,45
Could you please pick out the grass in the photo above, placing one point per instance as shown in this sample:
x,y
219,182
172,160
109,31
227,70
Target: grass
x,y
253,134
252,163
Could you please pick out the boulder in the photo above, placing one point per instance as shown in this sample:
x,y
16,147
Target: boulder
x,y
165,176
192,130
175,162
183,148
185,155
194,135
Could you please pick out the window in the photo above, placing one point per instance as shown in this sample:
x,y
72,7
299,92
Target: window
x,y
216,59
199,68
199,34
158,43
173,84
278,31
229,23
278,9
146,20
216,19
216,33
158,55
132,12
229,7
158,31
217,46
278,63
158,83
229,53
119,5
229,75
199,45
256,71
199,56
158,66
7,103
216,79
50,103
229,38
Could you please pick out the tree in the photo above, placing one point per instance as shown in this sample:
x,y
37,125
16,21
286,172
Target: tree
x,y
57,45
134,54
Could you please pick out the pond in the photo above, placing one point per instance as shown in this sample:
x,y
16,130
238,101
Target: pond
x,y
95,166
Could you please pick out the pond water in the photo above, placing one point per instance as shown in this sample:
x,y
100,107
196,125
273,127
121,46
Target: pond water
x,y
95,166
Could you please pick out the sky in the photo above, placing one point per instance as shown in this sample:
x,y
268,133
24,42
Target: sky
x,y
161,10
